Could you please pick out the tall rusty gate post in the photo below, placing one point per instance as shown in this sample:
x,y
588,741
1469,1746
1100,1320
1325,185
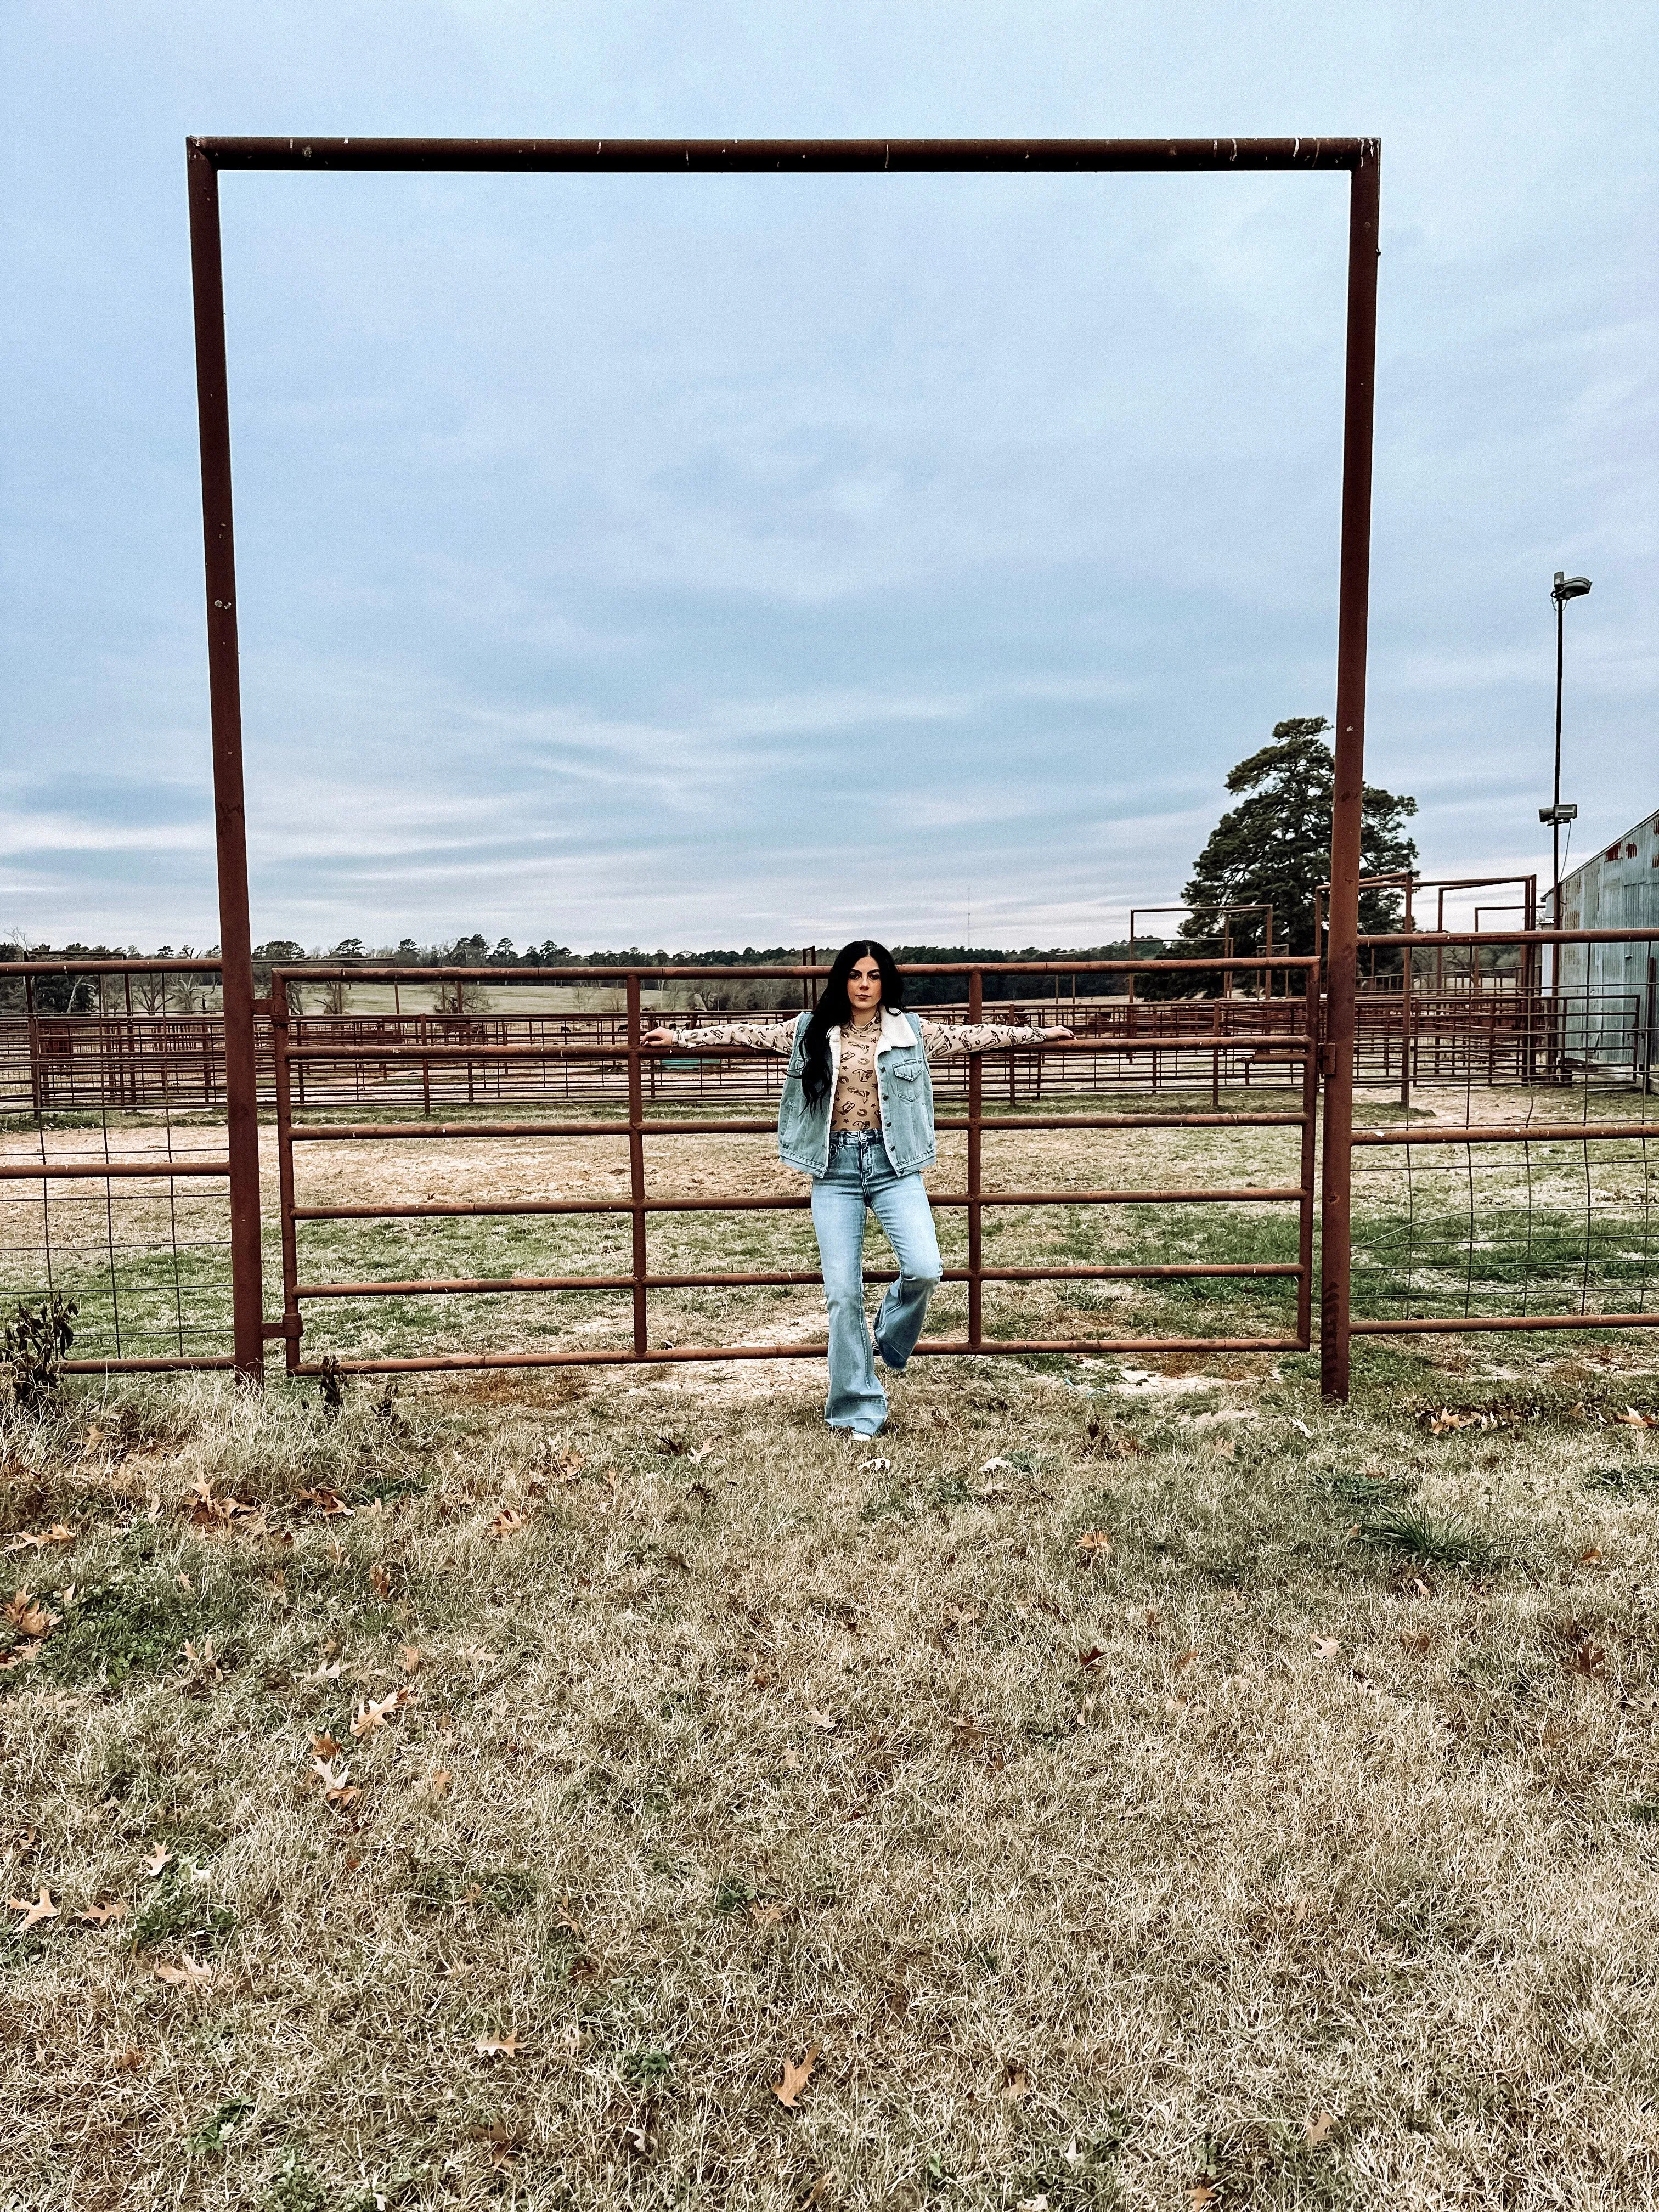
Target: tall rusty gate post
x,y
230,826
1342,939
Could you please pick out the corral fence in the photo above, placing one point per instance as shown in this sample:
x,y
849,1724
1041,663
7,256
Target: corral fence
x,y
1518,1192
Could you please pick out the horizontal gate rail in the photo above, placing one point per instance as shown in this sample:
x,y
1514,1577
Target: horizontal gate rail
x,y
294,1049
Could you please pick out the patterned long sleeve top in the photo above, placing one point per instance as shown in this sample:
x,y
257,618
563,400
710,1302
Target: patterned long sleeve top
x,y
857,1103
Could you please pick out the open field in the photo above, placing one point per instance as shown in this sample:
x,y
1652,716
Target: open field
x,y
1132,1787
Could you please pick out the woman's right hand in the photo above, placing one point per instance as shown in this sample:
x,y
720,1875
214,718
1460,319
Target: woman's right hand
x,y
659,1037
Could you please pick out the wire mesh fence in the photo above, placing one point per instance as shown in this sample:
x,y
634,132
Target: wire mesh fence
x,y
506,1179
114,1189
1518,1188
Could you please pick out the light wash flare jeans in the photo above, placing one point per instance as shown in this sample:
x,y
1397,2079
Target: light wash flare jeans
x,y
859,1177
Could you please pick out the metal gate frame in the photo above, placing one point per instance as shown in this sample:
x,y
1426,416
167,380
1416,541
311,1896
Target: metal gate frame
x,y
291,1050
1359,156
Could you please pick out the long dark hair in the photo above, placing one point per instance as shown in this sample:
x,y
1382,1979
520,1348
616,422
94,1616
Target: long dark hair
x,y
834,1010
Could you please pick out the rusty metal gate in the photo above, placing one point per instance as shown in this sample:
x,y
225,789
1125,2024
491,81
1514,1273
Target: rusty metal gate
x,y
1275,1038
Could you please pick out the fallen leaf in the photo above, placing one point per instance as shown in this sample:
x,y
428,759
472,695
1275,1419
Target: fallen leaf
x,y
1016,2084
438,1784
475,1655
1591,1557
328,1503
1202,2193
409,1658
1588,1659
507,1523
196,1668
326,1747
28,1618
1419,1640
58,1534
327,1671
370,1716
820,2188
1327,1647
186,1975
98,1914
795,2079
492,2046
132,2058
1094,1545
379,1579
1185,1661
42,1909
824,1721
1318,2128
336,1784
160,1857
1091,1658
1176,1707
765,1915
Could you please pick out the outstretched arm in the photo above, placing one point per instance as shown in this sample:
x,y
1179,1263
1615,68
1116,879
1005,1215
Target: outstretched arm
x,y
762,1036
947,1040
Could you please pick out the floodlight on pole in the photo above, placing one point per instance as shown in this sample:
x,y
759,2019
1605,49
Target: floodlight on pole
x,y
1562,589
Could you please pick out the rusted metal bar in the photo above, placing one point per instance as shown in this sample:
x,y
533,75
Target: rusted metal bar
x,y
1305,1235
326,972
1407,965
366,1054
465,1209
976,1164
1511,1132
379,1132
181,1367
777,1279
128,967
636,1163
293,1324
1081,1347
230,830
785,156
96,1171
1467,937
1341,950
1473,1323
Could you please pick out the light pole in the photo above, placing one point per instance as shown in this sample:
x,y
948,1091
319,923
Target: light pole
x,y
1562,589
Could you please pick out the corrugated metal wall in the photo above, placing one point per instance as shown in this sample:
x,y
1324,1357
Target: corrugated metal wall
x,y
1610,989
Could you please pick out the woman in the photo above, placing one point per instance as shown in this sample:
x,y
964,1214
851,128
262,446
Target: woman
x,y
857,1115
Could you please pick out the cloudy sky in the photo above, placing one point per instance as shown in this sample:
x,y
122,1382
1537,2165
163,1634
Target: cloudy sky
x,y
690,561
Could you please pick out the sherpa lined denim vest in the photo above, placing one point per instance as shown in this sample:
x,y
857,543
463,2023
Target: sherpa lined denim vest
x,y
903,1084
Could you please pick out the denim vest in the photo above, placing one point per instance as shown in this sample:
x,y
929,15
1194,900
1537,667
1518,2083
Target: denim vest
x,y
906,1090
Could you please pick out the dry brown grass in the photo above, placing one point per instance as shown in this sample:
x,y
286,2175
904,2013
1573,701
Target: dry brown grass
x,y
1256,1854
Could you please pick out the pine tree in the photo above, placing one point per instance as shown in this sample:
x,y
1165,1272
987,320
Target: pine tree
x,y
1274,848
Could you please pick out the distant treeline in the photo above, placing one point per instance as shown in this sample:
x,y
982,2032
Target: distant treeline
x,y
66,994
